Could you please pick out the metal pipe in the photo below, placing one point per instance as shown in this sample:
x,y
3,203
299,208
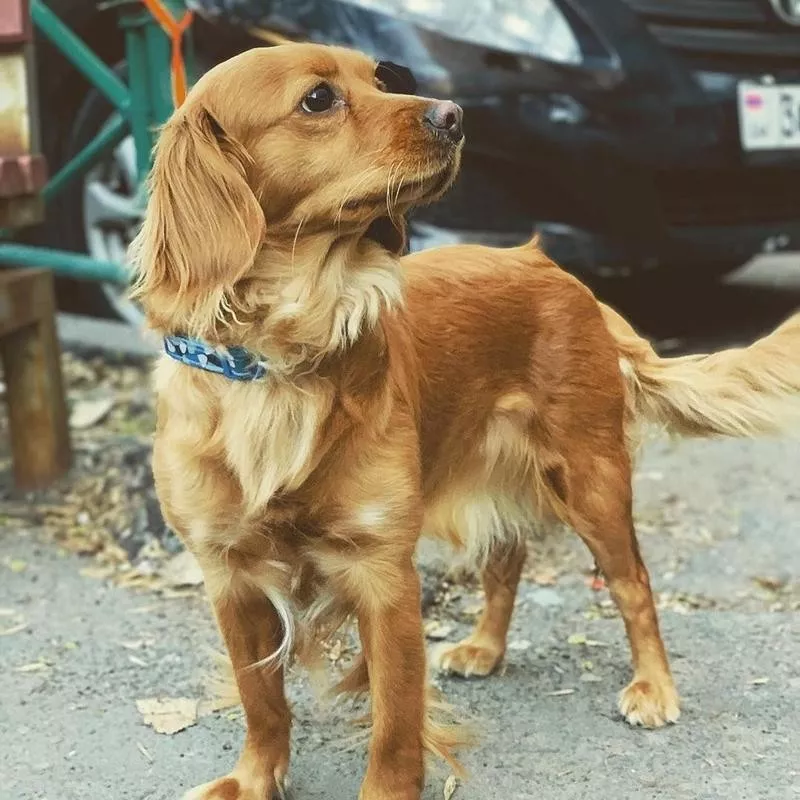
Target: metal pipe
x,y
141,114
82,58
108,138
61,262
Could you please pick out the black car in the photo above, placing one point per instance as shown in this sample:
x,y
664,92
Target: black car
x,y
648,137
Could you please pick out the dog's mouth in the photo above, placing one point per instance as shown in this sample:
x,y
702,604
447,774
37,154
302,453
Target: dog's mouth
x,y
411,191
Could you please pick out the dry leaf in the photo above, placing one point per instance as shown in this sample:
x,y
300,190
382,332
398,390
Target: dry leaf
x,y
182,570
437,631
17,565
86,413
545,578
144,609
560,692
98,572
771,584
34,666
577,638
169,714
14,629
206,707
450,786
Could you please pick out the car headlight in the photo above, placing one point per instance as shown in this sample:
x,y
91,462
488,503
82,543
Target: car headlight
x,y
524,27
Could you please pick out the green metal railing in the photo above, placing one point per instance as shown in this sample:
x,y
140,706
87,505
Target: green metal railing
x,y
142,104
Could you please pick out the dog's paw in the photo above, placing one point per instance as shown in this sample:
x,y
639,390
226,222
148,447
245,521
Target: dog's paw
x,y
232,788
650,704
468,659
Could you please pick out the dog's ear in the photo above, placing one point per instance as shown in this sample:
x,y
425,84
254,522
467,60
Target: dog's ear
x,y
396,78
203,226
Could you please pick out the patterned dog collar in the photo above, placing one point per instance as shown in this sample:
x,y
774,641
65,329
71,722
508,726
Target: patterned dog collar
x,y
234,363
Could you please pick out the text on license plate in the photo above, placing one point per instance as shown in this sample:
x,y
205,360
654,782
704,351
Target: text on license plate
x,y
769,116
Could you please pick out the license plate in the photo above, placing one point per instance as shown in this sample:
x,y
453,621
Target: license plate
x,y
769,116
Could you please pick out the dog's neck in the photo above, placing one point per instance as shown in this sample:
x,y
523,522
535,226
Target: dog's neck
x,y
313,297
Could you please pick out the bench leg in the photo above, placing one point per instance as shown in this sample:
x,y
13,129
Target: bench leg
x,y
34,389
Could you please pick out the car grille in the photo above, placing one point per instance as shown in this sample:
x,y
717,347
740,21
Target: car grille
x,y
729,197
726,35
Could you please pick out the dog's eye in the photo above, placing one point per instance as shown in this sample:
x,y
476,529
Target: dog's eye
x,y
319,99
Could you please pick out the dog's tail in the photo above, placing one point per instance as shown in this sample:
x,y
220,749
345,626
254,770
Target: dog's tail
x,y
743,392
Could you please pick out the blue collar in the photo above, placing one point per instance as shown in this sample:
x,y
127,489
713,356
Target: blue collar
x,y
234,363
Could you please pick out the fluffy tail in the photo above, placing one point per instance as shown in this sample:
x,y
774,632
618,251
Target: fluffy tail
x,y
743,392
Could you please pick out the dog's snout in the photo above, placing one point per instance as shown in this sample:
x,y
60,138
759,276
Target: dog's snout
x,y
445,118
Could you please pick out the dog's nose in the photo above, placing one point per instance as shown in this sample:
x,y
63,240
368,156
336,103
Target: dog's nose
x,y
444,117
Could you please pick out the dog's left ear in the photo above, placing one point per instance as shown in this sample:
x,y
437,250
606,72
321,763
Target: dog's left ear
x,y
396,78
391,234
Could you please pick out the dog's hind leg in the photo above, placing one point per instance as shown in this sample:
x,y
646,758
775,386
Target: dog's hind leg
x,y
598,498
481,652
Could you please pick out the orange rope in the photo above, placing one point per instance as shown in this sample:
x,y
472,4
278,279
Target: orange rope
x,y
174,30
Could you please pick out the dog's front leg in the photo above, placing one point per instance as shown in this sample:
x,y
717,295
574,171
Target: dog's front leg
x,y
390,624
253,632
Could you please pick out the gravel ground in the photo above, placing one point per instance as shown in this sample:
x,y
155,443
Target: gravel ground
x,y
89,625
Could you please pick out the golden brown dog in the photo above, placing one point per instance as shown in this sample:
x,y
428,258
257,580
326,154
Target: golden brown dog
x,y
467,392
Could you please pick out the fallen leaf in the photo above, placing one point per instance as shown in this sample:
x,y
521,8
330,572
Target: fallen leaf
x,y
771,584
519,644
144,609
206,707
590,677
759,681
182,570
597,583
168,715
560,692
14,629
177,594
577,638
17,565
70,645
88,412
34,666
437,631
138,662
335,651
545,578
98,572
450,786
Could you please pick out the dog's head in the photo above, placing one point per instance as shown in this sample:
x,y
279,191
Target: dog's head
x,y
286,142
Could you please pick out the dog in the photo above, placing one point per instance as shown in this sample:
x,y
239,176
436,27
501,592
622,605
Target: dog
x,y
322,401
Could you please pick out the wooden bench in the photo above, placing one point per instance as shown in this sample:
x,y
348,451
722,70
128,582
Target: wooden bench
x,y
37,412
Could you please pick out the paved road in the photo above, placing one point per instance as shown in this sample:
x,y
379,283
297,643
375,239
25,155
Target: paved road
x,y
720,529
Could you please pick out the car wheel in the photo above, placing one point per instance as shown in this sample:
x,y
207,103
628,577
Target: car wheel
x,y
100,214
